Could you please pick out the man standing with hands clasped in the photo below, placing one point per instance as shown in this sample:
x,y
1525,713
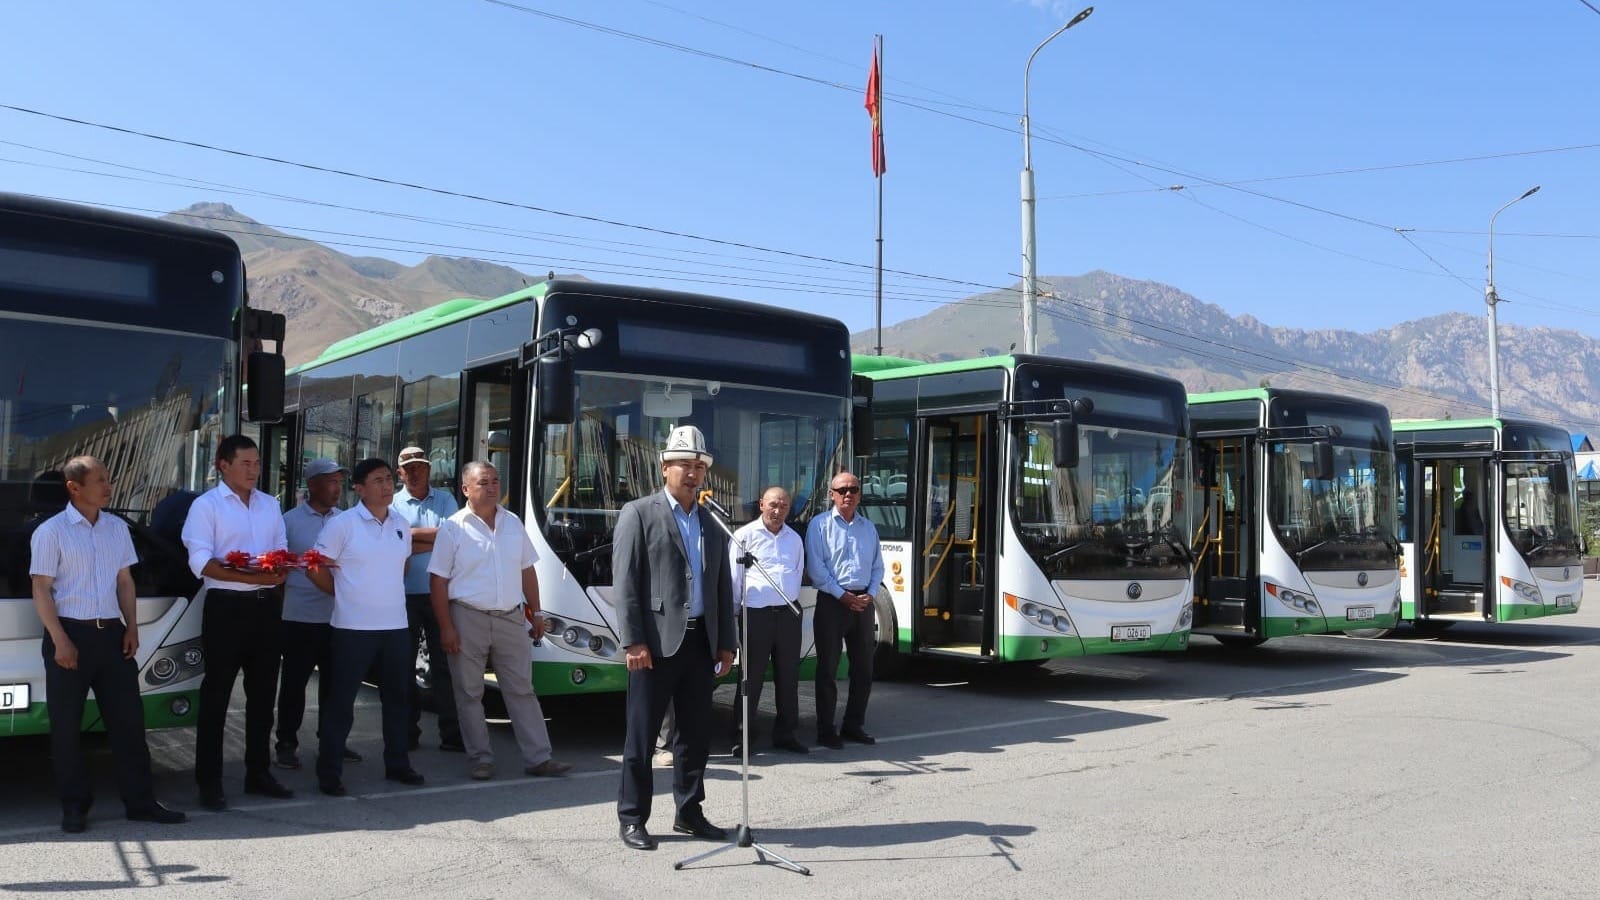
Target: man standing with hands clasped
x,y
673,594
773,626
482,577
83,592
846,566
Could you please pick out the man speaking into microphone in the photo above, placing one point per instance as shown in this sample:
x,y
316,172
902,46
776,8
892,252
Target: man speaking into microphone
x,y
673,592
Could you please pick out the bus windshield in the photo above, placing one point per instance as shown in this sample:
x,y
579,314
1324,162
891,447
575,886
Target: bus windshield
x,y
1540,520
150,405
1346,521
1119,514
758,437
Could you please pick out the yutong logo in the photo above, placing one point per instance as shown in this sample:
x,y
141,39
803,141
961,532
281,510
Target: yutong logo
x,y
1566,572
1361,579
1134,590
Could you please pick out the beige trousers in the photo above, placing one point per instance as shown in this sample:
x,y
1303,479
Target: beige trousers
x,y
501,637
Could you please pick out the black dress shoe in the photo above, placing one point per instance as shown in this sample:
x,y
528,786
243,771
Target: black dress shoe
x,y
831,741
352,756
267,786
699,827
857,735
791,745
74,821
333,788
213,799
452,746
637,837
158,814
405,776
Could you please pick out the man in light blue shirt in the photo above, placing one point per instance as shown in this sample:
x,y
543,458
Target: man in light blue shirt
x,y
846,566
426,507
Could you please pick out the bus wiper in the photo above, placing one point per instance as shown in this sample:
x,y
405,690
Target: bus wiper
x,y
1054,555
592,552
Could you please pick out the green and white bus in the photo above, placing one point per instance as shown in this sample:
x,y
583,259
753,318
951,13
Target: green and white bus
x,y
1297,515
120,337
569,388
1028,507
1488,521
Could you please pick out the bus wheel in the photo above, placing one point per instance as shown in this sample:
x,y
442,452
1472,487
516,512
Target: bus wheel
x,y
1369,632
1239,642
888,662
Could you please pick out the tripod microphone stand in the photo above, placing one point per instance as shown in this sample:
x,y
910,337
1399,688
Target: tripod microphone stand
x,y
742,835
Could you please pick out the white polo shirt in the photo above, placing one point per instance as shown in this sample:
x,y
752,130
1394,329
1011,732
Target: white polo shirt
x,y
84,560
782,555
369,556
220,523
484,564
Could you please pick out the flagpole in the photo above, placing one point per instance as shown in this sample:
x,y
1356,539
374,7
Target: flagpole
x,y
879,177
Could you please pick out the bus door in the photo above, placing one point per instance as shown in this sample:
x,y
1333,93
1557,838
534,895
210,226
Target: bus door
x,y
492,393
955,606
281,465
1453,555
1227,577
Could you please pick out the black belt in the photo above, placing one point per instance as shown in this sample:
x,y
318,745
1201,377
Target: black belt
x,y
264,593
694,623
97,623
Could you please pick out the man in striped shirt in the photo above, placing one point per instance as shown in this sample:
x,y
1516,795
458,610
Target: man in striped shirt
x,y
83,592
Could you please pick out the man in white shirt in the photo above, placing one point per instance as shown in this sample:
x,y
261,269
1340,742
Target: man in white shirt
x,y
366,546
482,578
773,627
83,591
243,611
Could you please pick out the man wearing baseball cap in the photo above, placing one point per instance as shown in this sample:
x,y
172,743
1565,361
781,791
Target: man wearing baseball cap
x,y
307,611
673,592
426,508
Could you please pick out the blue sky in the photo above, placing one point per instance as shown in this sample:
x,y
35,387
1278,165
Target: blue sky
x,y
479,98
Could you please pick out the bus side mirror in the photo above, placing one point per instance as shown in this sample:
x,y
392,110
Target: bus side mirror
x,y
264,386
1559,485
557,387
1322,460
1065,440
861,431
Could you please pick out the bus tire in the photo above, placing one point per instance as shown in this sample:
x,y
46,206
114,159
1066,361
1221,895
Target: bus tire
x,y
1239,642
888,662
1369,632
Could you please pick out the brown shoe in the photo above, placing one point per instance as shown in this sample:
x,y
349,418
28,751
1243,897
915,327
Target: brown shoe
x,y
550,768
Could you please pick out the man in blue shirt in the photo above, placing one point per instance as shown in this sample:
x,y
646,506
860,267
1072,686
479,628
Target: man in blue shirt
x,y
426,508
846,566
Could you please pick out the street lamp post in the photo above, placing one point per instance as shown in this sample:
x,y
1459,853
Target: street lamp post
x,y
1491,299
1030,267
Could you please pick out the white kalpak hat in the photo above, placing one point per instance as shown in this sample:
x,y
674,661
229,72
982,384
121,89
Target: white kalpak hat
x,y
685,442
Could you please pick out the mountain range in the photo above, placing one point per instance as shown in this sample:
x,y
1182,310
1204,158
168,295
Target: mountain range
x,y
1430,367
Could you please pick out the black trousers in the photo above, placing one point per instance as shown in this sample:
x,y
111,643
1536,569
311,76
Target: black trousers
x,y
425,625
306,646
835,623
774,635
683,679
239,633
354,652
115,682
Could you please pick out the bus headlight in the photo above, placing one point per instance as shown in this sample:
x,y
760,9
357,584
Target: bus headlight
x,y
179,662
193,657
1185,617
1525,592
164,668
1296,600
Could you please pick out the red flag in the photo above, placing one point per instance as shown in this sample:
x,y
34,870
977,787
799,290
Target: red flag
x,y
874,106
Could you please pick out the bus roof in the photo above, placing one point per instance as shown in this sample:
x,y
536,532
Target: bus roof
x,y
28,205
1291,394
436,316
1497,424
862,363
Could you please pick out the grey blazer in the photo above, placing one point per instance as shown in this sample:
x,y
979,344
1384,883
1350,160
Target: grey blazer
x,y
650,578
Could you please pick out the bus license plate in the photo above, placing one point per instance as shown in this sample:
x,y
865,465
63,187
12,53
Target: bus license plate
x,y
13,696
1563,600
1358,613
1130,632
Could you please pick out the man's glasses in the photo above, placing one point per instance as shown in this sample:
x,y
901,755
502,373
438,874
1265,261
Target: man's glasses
x,y
848,489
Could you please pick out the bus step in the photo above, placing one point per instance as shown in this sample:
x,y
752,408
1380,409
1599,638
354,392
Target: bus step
x,y
1455,601
964,651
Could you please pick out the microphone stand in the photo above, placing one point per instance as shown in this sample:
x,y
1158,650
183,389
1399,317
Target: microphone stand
x,y
742,835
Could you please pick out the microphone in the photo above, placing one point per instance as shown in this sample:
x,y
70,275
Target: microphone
x,y
714,506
